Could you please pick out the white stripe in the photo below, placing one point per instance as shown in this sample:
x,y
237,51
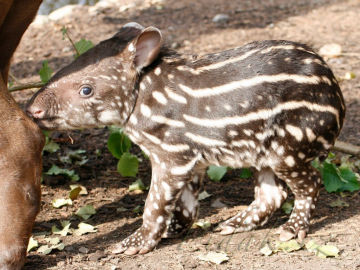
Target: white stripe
x,y
261,114
233,60
145,110
204,140
175,147
174,96
152,138
163,120
242,143
225,88
180,170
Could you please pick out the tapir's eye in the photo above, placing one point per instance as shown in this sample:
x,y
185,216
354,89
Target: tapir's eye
x,y
86,91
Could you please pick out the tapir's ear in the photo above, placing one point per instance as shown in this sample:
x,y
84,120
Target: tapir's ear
x,y
147,47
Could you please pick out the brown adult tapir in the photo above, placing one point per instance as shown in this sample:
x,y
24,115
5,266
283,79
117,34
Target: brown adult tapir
x,y
21,143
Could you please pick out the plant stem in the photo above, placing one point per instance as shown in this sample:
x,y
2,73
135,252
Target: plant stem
x,y
26,86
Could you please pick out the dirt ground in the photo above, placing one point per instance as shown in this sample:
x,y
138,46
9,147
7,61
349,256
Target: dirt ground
x,y
187,25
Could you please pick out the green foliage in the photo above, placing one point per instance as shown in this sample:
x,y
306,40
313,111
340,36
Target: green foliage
x,y
55,170
83,46
119,146
128,165
45,72
245,173
215,173
337,178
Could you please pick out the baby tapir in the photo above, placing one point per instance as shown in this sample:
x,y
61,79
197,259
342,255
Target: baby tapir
x,y
272,105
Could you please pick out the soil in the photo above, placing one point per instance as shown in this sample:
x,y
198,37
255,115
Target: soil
x,y
187,26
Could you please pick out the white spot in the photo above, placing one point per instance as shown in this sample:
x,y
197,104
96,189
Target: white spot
x,y
131,47
248,132
160,219
301,155
163,120
159,97
289,160
109,117
233,133
157,71
227,107
145,110
310,134
295,131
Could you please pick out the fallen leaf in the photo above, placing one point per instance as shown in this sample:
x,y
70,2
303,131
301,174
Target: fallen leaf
x,y
74,193
65,230
32,244
84,228
57,203
137,185
83,189
53,241
218,204
349,76
287,207
203,195
339,203
322,251
202,224
266,250
86,212
214,257
288,246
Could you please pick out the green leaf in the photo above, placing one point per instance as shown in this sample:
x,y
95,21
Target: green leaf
x,y
215,173
128,165
338,179
137,185
55,170
64,32
82,46
86,212
137,209
45,72
287,207
32,244
118,144
51,146
84,228
76,157
44,249
245,173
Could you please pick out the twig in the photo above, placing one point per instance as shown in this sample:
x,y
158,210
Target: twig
x,y
26,86
347,148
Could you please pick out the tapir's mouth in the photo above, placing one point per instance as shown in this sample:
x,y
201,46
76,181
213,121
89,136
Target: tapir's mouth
x,y
47,123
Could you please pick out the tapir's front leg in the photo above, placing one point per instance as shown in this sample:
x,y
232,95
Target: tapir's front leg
x,y
165,190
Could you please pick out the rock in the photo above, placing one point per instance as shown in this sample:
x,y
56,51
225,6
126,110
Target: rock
x,y
83,250
96,256
330,50
40,21
221,18
65,11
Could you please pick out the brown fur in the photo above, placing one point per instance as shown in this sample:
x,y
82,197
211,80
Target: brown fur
x,y
21,143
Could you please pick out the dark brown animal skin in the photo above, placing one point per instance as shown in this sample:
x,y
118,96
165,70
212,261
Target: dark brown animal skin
x,y
21,143
274,105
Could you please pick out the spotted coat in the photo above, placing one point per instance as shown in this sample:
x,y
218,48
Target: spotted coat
x,y
271,105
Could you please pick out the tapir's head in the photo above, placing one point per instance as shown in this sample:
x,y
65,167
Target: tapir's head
x,y
98,88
